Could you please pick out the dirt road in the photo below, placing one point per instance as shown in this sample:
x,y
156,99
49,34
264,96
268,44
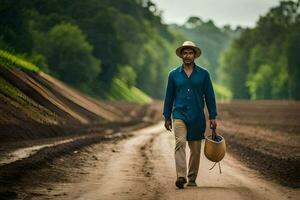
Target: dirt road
x,y
142,167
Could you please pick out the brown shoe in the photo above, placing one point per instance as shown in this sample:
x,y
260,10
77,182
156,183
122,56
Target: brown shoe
x,y
180,182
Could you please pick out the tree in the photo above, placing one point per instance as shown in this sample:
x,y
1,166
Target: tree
x,y
293,49
269,49
193,22
14,32
69,55
260,84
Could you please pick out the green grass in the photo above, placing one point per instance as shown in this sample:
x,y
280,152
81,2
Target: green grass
x,y
120,91
9,60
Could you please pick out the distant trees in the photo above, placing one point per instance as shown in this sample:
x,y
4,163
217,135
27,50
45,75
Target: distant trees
x,y
233,69
293,60
210,38
263,63
91,43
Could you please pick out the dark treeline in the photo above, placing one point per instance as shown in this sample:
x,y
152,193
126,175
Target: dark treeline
x,y
89,43
264,62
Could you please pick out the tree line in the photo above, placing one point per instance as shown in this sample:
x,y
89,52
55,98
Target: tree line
x,y
264,62
88,44
94,44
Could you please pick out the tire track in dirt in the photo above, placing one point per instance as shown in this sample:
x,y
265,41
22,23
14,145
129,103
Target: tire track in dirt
x,y
11,173
126,175
142,167
148,166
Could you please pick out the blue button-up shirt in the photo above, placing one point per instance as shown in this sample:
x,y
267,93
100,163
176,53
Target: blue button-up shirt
x,y
185,99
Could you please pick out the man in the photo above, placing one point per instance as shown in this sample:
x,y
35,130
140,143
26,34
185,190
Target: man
x,y
189,88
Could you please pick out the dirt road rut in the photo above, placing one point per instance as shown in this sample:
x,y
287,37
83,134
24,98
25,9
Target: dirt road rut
x,y
142,167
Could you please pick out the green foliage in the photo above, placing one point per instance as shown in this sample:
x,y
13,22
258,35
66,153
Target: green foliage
x,y
233,72
70,38
260,84
127,75
14,32
263,63
151,61
40,60
9,60
120,91
222,92
293,59
107,45
69,55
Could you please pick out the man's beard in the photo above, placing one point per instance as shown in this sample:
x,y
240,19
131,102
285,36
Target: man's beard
x,y
188,61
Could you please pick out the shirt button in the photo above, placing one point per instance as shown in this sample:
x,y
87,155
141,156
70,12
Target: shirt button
x,y
188,90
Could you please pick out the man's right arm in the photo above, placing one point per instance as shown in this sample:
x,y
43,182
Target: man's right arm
x,y
168,102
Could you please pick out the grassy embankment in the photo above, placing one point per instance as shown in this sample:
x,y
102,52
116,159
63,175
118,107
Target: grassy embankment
x,y
119,90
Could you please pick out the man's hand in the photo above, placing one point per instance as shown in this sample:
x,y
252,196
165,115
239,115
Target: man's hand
x,y
168,124
213,124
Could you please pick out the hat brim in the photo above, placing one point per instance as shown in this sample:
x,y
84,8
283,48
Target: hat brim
x,y
196,49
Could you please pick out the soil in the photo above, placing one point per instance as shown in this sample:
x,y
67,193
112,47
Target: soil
x,y
56,143
140,166
265,135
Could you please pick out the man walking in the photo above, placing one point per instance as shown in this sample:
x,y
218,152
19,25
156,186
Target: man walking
x,y
189,88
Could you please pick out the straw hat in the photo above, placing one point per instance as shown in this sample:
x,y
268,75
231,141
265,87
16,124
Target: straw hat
x,y
188,44
215,147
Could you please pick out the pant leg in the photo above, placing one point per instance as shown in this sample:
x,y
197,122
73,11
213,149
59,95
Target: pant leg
x,y
194,161
180,132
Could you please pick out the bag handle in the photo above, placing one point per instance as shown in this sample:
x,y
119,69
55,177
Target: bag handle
x,y
213,134
214,138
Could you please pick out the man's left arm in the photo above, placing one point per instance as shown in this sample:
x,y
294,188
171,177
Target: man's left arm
x,y
210,101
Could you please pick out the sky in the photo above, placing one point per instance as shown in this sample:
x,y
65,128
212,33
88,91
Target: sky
x,y
244,13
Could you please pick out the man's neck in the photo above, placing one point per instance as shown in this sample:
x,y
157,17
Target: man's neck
x,y
188,66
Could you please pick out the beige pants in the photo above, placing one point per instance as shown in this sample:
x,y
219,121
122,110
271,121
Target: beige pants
x,y
180,132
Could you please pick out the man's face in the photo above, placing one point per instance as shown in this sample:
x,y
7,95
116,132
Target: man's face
x,y
188,56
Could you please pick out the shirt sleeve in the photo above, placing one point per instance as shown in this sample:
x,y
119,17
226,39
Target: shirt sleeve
x,y
210,99
169,98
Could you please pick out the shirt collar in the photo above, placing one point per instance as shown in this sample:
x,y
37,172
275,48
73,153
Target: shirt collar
x,y
195,68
